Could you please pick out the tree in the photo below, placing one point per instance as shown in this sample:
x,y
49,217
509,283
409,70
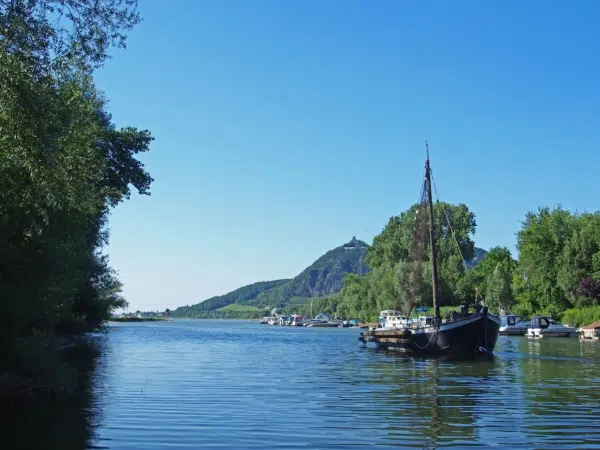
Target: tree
x,y
541,242
480,275
393,243
590,289
55,33
596,266
577,259
498,292
63,165
396,278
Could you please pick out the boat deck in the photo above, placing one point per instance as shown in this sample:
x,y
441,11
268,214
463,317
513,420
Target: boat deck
x,y
399,336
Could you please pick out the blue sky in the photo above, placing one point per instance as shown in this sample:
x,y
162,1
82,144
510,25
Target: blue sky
x,y
284,128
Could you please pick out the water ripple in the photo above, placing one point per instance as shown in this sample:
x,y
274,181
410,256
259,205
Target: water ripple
x,y
238,385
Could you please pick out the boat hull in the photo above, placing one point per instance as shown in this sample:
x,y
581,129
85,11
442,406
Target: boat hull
x,y
513,332
536,333
473,335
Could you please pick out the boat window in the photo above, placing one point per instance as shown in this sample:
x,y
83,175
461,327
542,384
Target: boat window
x,y
511,320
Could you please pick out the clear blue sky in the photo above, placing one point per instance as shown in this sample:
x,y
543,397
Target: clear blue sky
x,y
283,128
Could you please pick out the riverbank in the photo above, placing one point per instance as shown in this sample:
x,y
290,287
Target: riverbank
x,y
137,319
46,366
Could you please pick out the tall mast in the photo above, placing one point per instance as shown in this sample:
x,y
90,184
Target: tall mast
x,y
434,273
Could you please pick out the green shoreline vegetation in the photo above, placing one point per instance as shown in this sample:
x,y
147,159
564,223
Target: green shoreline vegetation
x,y
557,274
64,165
136,319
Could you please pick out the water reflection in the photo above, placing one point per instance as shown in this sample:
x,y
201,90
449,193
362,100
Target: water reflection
x,y
435,399
56,423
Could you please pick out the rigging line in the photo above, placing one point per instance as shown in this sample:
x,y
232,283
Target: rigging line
x,y
448,220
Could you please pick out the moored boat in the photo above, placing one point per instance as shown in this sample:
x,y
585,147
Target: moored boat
x,y
322,321
392,318
298,321
543,326
512,325
464,333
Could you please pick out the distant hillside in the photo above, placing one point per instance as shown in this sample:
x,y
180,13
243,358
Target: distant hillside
x,y
322,278
239,296
479,254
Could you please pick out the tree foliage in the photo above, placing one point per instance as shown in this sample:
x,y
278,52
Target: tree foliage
x,y
558,251
63,166
396,280
54,33
498,293
558,267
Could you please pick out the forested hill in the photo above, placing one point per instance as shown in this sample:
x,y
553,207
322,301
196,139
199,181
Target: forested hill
x,y
241,296
322,278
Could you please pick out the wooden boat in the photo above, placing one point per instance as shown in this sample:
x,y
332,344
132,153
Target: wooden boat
x,y
464,333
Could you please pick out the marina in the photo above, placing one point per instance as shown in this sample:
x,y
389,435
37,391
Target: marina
x,y
321,320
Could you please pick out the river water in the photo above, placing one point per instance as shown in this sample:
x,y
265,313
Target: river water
x,y
240,385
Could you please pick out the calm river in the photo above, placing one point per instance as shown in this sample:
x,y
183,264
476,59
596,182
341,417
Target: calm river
x,y
240,385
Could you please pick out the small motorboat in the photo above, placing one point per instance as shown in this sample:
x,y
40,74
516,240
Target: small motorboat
x,y
512,325
542,326
392,319
298,321
322,321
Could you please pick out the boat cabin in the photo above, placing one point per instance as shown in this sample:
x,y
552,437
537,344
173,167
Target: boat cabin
x,y
392,318
297,321
509,320
540,322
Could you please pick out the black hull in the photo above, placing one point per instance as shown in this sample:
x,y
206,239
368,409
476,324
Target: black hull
x,y
473,335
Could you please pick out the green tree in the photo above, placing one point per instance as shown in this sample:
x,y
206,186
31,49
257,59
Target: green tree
x,y
395,279
53,34
541,243
577,259
480,275
498,294
63,165
596,266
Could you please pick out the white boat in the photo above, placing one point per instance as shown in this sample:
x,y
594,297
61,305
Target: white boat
x,y
284,321
512,325
392,319
541,326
